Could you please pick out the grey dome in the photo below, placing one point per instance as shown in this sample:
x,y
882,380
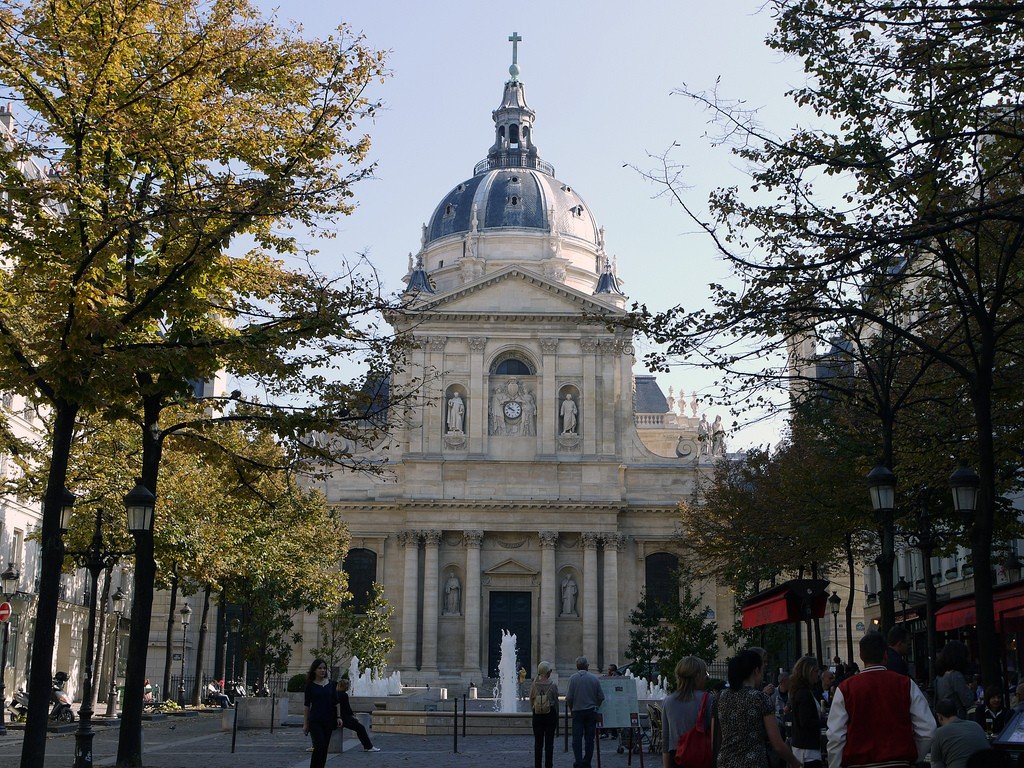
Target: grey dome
x,y
513,198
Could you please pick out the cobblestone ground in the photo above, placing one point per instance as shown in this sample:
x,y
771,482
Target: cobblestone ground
x,y
197,742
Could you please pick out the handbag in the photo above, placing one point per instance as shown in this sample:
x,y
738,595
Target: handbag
x,y
694,748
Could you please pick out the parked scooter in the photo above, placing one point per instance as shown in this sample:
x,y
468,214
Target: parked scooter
x,y
60,702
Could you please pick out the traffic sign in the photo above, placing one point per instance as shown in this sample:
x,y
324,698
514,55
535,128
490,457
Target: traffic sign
x,y
5,611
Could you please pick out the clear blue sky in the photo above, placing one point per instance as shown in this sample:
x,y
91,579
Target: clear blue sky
x,y
599,76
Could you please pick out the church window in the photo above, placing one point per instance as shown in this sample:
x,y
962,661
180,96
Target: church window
x,y
577,211
361,567
514,200
440,263
513,134
460,188
566,188
501,131
661,579
512,367
526,133
449,211
514,180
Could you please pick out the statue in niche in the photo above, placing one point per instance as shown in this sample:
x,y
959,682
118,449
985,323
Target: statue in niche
x,y
569,412
497,418
569,591
452,595
718,437
456,414
704,435
529,412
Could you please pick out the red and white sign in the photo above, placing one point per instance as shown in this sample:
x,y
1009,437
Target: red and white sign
x,y
5,611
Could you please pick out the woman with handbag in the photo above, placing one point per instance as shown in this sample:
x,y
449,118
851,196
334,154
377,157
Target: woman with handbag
x,y
687,724
805,734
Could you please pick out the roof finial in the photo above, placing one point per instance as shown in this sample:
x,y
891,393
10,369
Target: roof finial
x,y
515,39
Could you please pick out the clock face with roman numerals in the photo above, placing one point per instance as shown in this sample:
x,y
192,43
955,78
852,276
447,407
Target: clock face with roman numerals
x,y
513,409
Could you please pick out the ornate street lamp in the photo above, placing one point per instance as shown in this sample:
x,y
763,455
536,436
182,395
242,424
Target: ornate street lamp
x,y
186,614
964,483
1013,566
234,625
833,604
882,487
67,506
9,584
117,600
902,590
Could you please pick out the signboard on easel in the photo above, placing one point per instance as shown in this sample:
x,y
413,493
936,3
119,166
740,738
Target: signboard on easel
x,y
620,702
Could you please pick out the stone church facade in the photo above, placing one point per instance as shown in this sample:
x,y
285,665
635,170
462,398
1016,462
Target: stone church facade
x,y
536,490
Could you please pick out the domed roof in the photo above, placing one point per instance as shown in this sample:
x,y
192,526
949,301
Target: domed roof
x,y
513,198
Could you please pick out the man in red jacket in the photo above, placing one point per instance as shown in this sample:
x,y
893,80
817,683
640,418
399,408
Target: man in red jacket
x,y
879,718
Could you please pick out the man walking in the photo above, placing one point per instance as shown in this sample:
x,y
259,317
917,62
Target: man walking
x,y
583,699
879,717
896,653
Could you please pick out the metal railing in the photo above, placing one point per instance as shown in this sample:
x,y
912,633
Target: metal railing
x,y
514,159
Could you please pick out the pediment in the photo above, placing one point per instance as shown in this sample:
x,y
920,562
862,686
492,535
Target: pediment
x,y
516,290
510,567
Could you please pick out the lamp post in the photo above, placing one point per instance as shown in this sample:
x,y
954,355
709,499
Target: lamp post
x,y
902,591
9,582
1012,566
833,604
94,559
117,601
235,625
925,540
964,483
882,488
186,614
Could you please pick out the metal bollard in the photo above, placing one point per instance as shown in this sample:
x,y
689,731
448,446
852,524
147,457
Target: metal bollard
x,y
234,729
455,727
566,727
465,710
273,710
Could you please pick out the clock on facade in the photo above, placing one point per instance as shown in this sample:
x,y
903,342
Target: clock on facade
x,y
513,409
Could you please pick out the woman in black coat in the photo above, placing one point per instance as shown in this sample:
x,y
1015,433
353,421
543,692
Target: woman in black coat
x,y
320,710
805,735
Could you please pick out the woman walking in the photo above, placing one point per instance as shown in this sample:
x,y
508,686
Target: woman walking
x,y
680,709
544,705
746,718
321,711
806,733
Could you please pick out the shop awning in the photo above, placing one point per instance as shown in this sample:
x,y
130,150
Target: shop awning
x,y
791,601
1007,601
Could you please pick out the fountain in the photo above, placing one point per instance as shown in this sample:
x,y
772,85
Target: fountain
x,y
506,690
369,684
646,690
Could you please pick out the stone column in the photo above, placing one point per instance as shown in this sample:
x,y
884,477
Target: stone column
x,y
547,401
471,608
480,397
549,595
410,540
589,410
612,544
432,539
590,541
434,418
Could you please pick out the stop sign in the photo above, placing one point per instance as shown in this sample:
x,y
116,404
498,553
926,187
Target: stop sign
x,y
5,611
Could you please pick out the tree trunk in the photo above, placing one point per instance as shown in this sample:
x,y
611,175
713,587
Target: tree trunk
x,y
169,635
51,555
197,687
129,744
989,651
849,600
220,661
887,535
929,615
817,623
97,663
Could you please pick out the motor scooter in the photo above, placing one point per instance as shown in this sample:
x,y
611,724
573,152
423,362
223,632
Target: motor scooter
x,y
60,702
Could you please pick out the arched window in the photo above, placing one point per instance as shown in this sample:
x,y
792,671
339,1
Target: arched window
x,y
361,567
661,579
513,134
512,367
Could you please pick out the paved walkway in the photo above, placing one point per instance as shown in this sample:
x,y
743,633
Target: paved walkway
x,y
197,742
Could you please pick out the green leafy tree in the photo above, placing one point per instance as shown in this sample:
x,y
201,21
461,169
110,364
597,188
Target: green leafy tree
x,y
372,638
646,636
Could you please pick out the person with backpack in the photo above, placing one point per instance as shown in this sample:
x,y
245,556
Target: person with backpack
x,y
687,725
544,705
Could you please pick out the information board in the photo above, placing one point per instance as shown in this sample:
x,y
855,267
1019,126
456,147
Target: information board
x,y
619,702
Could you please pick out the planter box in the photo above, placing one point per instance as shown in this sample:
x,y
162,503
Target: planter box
x,y
255,712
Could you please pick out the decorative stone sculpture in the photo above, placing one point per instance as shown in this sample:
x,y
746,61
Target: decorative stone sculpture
x,y
456,414
569,412
693,405
718,437
569,591
704,435
529,413
452,595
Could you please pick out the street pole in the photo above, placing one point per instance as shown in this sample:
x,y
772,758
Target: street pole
x,y
186,612
117,600
9,584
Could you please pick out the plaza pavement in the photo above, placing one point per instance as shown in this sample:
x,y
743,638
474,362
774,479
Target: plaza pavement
x,y
197,742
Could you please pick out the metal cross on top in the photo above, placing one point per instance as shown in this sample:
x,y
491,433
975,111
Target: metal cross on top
x,y
515,39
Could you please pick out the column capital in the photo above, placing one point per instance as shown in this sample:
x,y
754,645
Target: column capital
x,y
590,540
472,538
432,538
549,345
588,344
477,343
548,539
437,343
409,538
614,541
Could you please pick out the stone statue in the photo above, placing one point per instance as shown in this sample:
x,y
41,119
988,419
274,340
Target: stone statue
x,y
718,437
693,405
497,419
456,414
704,435
569,590
671,399
569,412
452,595
529,412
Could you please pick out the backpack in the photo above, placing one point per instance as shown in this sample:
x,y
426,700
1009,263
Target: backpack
x,y
542,702
694,749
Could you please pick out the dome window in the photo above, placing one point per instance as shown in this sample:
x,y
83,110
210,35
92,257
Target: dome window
x,y
449,211
566,188
577,211
513,134
514,200
460,188
514,180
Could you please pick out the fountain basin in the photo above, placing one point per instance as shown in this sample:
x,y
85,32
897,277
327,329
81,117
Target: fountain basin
x,y
440,723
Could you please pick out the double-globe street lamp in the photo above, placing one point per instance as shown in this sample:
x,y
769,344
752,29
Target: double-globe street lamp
x,y
186,614
139,505
9,584
117,601
833,604
964,484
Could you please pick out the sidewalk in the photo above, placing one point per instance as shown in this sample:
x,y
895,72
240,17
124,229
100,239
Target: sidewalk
x,y
197,742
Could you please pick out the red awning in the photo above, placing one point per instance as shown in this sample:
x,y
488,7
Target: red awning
x,y
1008,603
794,600
771,610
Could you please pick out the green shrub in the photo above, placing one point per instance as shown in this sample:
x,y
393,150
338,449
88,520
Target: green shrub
x,y
296,683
